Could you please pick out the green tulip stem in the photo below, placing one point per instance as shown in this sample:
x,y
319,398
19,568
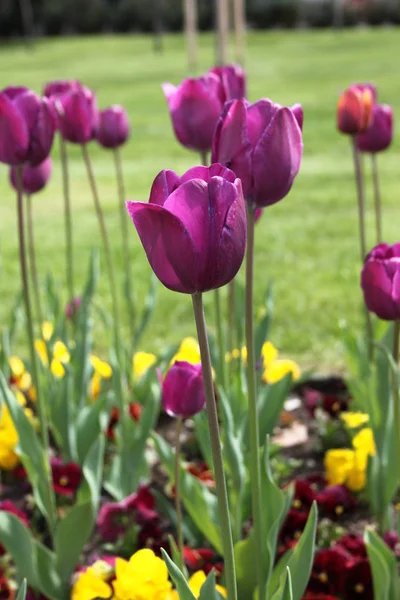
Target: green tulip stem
x,y
377,198
32,258
107,250
361,222
67,220
255,472
178,506
220,339
216,448
396,394
125,242
40,402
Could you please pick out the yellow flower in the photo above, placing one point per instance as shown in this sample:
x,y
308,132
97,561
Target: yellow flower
x,y
57,368
90,585
356,477
141,362
188,351
277,369
101,367
269,353
47,330
41,349
364,442
8,440
17,367
353,420
143,577
60,352
95,386
196,581
338,463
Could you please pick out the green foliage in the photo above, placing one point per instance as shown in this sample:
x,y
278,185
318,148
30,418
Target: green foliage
x,y
385,573
178,578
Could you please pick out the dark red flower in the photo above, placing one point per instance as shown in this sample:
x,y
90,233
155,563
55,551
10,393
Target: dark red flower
x,y
199,559
304,494
335,500
6,593
202,472
135,410
328,571
9,506
318,596
333,404
391,539
293,526
66,476
353,544
153,536
359,581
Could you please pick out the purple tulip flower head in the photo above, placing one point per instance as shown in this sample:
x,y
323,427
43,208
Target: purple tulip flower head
x,y
113,127
195,106
379,135
183,390
233,81
34,179
26,127
60,87
77,115
262,143
193,229
380,281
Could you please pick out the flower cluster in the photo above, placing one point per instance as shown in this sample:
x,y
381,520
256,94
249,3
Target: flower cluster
x,y
273,368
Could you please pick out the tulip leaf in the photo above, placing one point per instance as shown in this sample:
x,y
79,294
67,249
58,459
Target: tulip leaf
x,y
385,575
72,533
262,328
61,411
301,560
208,590
200,503
149,305
88,427
22,591
271,399
287,593
246,575
202,432
178,578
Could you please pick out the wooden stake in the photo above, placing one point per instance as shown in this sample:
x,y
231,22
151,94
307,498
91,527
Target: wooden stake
x,y
190,7
222,22
239,23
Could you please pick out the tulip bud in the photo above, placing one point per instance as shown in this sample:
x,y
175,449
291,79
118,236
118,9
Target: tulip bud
x,y
193,229
57,88
77,115
380,279
233,81
33,178
379,135
113,127
183,390
26,127
73,307
354,112
195,106
262,144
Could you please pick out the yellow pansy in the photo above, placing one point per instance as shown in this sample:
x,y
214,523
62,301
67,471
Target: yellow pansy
x,y
57,368
269,353
338,463
101,367
41,349
196,582
277,369
95,386
353,420
356,478
17,367
89,586
188,351
141,362
60,352
47,330
8,440
364,442
143,577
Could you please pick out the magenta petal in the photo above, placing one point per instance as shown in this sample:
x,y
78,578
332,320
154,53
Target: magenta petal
x,y
377,289
277,158
259,116
164,184
183,390
169,248
298,112
14,135
206,173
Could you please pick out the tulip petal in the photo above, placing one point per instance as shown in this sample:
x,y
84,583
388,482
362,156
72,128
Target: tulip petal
x,y
206,173
377,289
277,158
259,115
164,184
14,136
168,245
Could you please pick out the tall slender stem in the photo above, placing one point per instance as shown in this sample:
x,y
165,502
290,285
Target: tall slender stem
x,y
377,199
107,249
220,481
32,259
255,472
220,339
68,220
178,506
125,242
40,402
361,222
396,395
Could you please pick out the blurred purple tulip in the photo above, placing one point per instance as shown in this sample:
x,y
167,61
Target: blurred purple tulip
x,y
380,281
262,143
77,115
233,80
59,87
26,127
73,307
113,127
193,229
298,112
33,178
183,390
379,135
195,106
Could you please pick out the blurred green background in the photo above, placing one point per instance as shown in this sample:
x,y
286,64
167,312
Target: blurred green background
x,y
307,244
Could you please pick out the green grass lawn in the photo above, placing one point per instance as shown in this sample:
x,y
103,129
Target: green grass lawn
x,y
307,244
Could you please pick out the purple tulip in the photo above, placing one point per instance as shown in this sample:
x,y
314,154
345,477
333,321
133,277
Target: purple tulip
x,y
195,106
183,390
57,88
379,135
26,127
233,81
113,127
33,178
73,307
380,281
193,229
77,115
262,143
298,112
